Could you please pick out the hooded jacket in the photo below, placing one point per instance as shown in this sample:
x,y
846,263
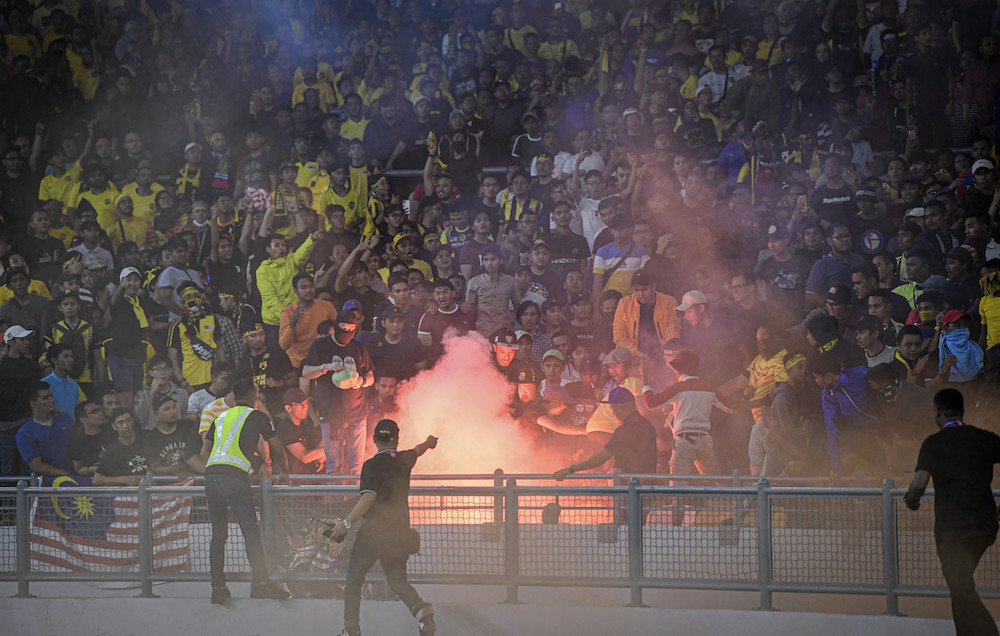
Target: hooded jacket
x,y
846,404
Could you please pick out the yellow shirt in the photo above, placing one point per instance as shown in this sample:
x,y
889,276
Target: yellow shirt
x,y
144,206
327,98
349,201
417,264
60,188
26,45
514,38
763,374
36,287
195,370
64,234
350,129
104,203
989,313
558,51
135,229
604,420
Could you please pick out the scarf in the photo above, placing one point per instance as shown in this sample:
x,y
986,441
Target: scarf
x,y
969,354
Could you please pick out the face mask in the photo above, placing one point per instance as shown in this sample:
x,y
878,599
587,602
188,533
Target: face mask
x,y
192,305
888,394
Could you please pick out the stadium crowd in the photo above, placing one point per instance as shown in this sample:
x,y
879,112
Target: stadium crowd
x,y
772,222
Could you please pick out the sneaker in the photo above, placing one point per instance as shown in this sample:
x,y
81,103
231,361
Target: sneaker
x,y
425,620
268,590
220,595
350,363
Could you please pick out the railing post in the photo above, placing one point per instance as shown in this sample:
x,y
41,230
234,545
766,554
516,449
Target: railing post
x,y
498,500
145,540
764,544
634,542
267,521
511,546
890,556
22,546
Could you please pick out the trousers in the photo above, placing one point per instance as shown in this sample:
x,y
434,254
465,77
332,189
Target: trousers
x,y
959,558
222,494
368,549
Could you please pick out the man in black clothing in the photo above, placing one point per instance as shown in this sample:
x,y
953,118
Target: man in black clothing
x,y
233,439
960,458
173,447
123,463
44,252
396,352
386,534
18,371
633,444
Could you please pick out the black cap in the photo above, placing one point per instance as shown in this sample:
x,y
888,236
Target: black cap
x,y
527,375
160,399
840,294
386,430
504,337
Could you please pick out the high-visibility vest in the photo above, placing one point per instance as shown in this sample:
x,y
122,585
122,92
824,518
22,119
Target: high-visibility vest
x,y
226,445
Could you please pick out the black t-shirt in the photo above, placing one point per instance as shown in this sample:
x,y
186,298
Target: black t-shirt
x,y
44,257
400,359
333,402
272,363
633,445
121,461
960,460
567,252
785,281
87,449
306,434
834,205
387,474
871,236
167,448
257,425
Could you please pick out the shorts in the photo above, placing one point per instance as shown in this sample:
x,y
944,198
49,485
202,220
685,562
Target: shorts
x,y
127,374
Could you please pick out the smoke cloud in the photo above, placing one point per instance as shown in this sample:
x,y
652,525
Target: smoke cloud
x,y
463,401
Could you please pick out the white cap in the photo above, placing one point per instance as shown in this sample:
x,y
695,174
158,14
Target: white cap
x,y
17,331
191,145
692,298
128,270
982,163
914,212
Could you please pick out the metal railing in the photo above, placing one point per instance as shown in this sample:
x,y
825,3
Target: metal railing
x,y
766,539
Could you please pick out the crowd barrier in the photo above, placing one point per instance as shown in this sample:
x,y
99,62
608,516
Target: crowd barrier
x,y
499,530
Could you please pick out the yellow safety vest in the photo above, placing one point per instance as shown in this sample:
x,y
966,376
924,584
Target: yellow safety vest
x,y
226,445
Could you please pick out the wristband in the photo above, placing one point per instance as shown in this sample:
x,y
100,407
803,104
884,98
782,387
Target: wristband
x,y
571,468
267,460
347,524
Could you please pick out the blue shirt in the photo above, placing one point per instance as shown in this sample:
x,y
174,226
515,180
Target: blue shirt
x,y
66,393
829,271
51,443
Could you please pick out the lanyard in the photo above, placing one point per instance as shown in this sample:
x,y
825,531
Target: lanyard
x,y
953,423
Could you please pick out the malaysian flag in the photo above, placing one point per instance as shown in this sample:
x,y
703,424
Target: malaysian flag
x,y
71,533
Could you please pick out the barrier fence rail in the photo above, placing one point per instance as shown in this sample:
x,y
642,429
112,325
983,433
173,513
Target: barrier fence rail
x,y
764,538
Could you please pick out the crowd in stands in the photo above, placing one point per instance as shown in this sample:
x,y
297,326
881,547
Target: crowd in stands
x,y
773,222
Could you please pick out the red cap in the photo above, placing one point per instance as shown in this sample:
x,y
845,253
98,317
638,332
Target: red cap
x,y
950,316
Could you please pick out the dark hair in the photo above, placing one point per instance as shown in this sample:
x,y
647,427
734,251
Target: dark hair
x,y
35,389
81,410
118,412
298,277
525,306
908,330
244,389
950,402
868,323
885,294
443,282
867,270
324,327
396,278
884,372
53,352
825,362
823,327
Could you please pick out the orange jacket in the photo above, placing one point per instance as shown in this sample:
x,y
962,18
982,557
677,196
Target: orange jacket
x,y
625,327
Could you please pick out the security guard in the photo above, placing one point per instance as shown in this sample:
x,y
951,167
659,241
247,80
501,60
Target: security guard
x,y
386,534
233,438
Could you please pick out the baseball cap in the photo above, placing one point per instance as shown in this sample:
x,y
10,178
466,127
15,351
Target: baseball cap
x,y
162,398
193,144
982,163
630,111
777,232
618,355
386,430
400,237
865,193
294,396
530,115
520,333
540,243
840,294
642,277
285,164
554,353
685,362
352,304
952,316
93,261
390,312
126,272
917,212
17,331
504,337
550,303
253,328
584,297
619,395
936,280
419,99
527,375
692,298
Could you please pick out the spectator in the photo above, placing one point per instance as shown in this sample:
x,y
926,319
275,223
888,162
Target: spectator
x,y
66,393
173,446
299,320
162,383
90,439
646,319
134,318
43,441
18,372
300,433
274,278
123,463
